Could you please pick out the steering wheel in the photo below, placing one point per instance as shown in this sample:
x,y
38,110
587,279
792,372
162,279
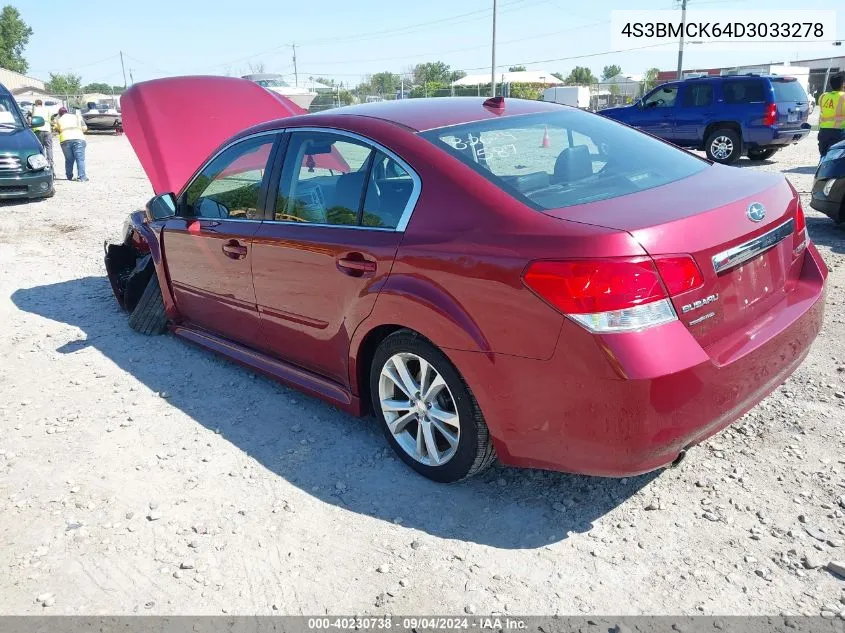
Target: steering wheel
x,y
289,218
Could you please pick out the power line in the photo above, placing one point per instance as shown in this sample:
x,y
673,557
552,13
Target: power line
x,y
392,32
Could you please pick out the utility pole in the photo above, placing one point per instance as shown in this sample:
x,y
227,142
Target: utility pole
x,y
681,43
493,60
131,78
295,74
123,68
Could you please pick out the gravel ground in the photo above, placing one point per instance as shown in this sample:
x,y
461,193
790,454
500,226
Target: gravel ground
x,y
143,475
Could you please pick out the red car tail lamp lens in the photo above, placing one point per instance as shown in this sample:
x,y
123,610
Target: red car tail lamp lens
x,y
801,234
771,116
679,273
603,295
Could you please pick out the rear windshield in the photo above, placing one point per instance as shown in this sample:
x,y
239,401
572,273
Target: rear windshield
x,y
789,91
560,159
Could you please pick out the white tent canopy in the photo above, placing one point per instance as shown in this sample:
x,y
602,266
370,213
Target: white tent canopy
x,y
519,77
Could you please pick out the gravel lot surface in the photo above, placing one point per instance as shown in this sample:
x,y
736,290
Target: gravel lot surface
x,y
143,475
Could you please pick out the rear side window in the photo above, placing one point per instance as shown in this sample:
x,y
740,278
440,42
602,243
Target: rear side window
x,y
564,158
745,91
697,96
789,91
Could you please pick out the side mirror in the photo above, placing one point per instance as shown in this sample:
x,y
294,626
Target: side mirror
x,y
36,121
160,207
638,103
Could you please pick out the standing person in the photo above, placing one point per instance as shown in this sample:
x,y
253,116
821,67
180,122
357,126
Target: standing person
x,y
72,139
832,114
44,132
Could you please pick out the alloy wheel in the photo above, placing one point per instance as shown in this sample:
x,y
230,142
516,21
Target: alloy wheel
x,y
721,147
419,409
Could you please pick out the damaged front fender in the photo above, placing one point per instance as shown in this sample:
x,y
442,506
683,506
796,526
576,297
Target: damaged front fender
x,y
130,264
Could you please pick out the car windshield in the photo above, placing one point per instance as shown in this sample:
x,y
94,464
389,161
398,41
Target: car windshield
x,y
789,91
271,83
9,115
561,159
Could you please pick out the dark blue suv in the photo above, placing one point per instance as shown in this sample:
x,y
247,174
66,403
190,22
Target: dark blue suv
x,y
725,116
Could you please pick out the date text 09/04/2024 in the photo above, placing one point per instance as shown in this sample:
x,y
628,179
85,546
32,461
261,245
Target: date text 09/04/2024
x,y
417,623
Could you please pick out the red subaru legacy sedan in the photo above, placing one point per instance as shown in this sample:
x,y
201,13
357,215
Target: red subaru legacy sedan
x,y
490,278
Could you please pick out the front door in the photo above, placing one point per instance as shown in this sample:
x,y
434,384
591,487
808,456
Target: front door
x,y
319,263
655,114
208,248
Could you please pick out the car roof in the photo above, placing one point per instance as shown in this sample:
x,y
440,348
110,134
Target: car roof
x,y
431,113
749,76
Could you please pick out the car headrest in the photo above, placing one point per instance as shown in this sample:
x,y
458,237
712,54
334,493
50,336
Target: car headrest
x,y
574,163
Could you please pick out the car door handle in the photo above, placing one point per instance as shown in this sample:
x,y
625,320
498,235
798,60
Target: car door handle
x,y
234,250
356,265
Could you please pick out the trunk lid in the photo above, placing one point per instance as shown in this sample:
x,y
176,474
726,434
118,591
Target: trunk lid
x,y
707,216
174,124
792,103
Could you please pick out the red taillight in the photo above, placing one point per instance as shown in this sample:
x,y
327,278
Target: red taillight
x,y
679,273
800,222
590,286
771,116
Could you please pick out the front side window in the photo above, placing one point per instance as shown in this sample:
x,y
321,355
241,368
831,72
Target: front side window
x,y
563,158
662,97
229,186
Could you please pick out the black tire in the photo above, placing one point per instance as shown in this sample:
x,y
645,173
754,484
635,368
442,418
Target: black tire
x,y
149,316
762,153
475,452
735,142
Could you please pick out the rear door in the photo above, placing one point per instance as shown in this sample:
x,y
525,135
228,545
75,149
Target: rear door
x,y
691,117
320,261
208,248
792,102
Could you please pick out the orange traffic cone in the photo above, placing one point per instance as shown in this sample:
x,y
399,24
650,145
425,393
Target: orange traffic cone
x,y
546,142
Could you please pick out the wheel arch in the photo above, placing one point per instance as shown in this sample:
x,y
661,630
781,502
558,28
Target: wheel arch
x,y
731,125
421,307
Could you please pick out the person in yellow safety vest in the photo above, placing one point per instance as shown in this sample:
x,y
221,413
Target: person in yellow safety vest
x,y
44,132
71,130
832,115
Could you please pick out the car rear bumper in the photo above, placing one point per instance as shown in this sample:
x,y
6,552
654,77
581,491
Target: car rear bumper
x,y
831,204
26,185
773,137
590,410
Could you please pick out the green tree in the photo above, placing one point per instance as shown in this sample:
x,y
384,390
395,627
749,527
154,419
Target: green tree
x,y
98,86
432,72
516,69
559,76
14,36
526,91
610,71
385,83
68,84
649,79
581,76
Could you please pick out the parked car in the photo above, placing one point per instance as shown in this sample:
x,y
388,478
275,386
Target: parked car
x,y
727,116
24,171
829,184
499,278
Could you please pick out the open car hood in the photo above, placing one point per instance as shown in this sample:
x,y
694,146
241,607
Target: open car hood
x,y
174,124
